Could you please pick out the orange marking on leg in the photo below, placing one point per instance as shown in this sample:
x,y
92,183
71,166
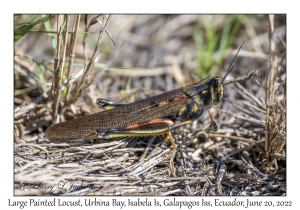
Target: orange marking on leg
x,y
214,124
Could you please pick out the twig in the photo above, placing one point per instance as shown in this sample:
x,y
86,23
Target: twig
x,y
249,76
232,137
24,108
21,133
260,122
72,53
59,68
182,166
78,90
244,148
109,35
31,145
269,84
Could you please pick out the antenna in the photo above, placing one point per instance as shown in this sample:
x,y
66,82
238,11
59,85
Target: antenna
x,y
231,64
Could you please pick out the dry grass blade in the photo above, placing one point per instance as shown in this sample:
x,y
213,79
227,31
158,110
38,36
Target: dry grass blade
x,y
60,58
78,89
72,54
275,114
248,94
109,35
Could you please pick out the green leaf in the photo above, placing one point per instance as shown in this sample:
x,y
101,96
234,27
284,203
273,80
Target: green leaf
x,y
29,24
51,35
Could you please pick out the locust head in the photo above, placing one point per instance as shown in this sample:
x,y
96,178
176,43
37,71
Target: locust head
x,y
216,90
217,84
211,92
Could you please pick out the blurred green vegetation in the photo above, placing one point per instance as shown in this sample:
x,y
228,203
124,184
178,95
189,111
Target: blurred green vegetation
x,y
22,29
210,40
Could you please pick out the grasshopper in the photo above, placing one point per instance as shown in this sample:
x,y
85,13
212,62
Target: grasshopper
x,y
153,116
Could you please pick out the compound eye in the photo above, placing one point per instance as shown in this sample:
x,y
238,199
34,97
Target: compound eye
x,y
215,83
